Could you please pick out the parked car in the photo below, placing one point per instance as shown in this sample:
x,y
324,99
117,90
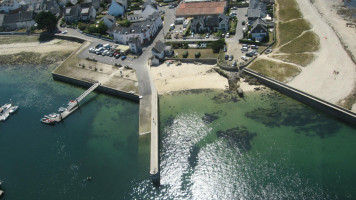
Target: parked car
x,y
223,35
234,8
250,54
244,58
65,32
227,35
207,35
233,14
98,46
123,57
225,49
268,51
117,56
160,5
171,6
254,47
226,57
231,57
245,45
243,22
233,63
244,49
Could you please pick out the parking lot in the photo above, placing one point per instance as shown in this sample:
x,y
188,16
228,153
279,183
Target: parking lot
x,y
106,58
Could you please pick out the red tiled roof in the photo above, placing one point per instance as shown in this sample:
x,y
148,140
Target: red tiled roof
x,y
201,8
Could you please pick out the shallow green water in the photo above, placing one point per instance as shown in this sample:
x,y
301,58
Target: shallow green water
x,y
213,145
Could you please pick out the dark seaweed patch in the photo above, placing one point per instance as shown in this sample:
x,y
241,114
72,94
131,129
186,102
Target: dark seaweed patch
x,y
238,136
289,113
193,161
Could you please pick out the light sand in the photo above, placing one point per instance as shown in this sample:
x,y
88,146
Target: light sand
x,y
318,78
37,47
186,77
190,76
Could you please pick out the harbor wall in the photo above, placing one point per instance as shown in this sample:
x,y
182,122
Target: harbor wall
x,y
154,157
101,88
310,100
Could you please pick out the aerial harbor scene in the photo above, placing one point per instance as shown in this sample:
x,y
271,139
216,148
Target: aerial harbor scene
x,y
177,99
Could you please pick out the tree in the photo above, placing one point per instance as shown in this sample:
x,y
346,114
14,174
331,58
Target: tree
x,y
217,45
69,4
46,20
125,23
102,28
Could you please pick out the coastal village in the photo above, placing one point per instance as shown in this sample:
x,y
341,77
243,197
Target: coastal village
x,y
142,49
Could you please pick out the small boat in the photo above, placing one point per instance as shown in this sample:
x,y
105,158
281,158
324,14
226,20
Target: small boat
x,y
71,102
47,120
13,109
1,192
62,109
5,107
4,117
53,115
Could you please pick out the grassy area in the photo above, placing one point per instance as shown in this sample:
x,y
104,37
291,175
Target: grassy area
x,y
279,71
288,9
302,59
17,39
308,42
205,53
290,30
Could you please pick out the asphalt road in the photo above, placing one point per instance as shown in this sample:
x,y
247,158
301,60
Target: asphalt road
x,y
140,64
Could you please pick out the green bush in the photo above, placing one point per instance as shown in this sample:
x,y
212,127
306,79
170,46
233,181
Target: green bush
x,y
185,54
82,26
197,54
217,45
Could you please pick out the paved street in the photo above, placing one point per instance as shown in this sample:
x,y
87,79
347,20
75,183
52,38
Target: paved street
x,y
140,64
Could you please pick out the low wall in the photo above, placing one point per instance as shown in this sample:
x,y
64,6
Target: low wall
x,y
329,108
101,88
208,61
69,38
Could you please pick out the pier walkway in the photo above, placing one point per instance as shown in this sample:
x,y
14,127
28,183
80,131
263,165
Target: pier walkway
x,y
73,105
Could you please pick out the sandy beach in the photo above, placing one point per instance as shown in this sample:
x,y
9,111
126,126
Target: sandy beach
x,y
37,47
190,76
332,75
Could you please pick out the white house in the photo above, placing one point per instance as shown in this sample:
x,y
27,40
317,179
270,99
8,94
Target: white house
x,y
158,49
141,15
117,7
259,30
8,5
144,31
135,45
87,13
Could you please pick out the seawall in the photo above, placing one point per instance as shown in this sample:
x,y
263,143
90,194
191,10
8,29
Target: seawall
x,y
101,88
315,102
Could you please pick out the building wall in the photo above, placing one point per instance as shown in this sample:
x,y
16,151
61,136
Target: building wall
x,y
7,9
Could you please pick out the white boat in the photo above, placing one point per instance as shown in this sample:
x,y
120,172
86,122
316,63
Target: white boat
x,y
13,109
4,117
62,109
53,115
5,107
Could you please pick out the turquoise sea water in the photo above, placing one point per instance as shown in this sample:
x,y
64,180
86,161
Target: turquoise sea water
x,y
213,145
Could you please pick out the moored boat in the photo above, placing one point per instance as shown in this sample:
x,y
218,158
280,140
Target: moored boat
x,y
53,115
13,109
47,120
4,108
62,109
4,117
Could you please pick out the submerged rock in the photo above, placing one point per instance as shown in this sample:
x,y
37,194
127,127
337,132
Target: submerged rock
x,y
209,118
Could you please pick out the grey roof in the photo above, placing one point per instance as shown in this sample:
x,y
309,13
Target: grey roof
x,y
134,40
259,24
256,9
210,21
159,47
110,17
18,17
137,27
